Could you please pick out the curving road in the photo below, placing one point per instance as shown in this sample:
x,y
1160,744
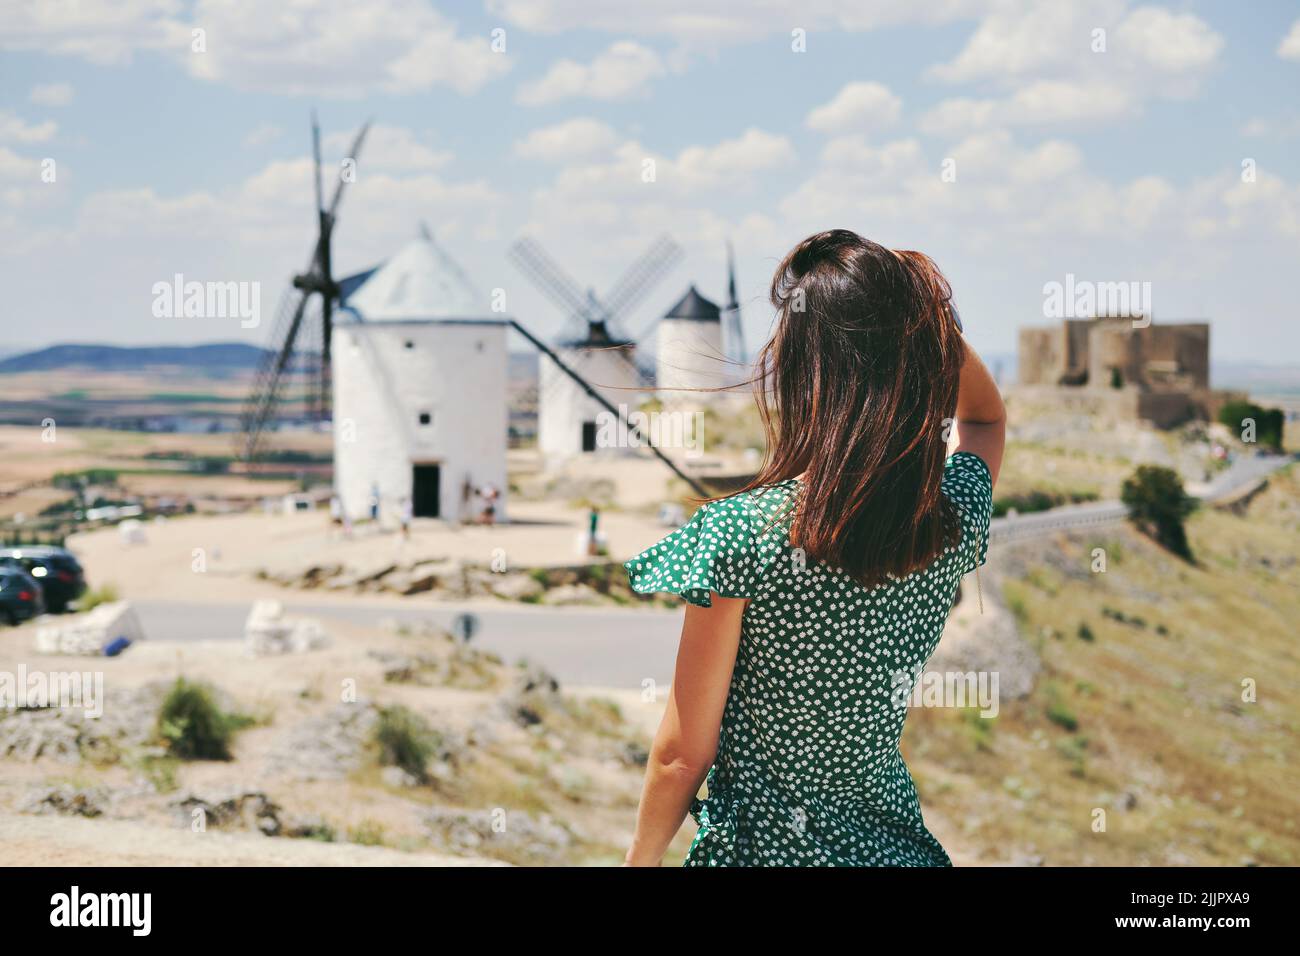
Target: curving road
x,y
1241,474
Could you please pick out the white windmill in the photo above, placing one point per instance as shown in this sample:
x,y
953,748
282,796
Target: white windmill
x,y
412,365
592,347
420,390
700,347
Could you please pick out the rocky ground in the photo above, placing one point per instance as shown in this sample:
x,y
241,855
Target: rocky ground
x,y
599,583
517,769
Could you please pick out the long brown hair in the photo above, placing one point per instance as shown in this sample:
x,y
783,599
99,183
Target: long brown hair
x,y
856,388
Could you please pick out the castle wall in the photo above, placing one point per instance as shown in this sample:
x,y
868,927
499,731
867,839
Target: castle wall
x,y
1040,360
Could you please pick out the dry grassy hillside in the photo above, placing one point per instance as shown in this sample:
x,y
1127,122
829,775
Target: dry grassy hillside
x,y
1139,709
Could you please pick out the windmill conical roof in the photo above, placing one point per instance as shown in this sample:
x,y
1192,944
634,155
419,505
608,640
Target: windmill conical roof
x,y
420,282
695,308
598,336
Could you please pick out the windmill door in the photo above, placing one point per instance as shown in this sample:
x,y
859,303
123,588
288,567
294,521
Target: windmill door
x,y
588,436
425,482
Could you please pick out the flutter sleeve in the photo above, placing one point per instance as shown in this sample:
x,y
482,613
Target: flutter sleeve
x,y
710,554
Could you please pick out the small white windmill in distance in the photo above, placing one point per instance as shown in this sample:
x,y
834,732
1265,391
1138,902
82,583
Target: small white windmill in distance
x,y
592,346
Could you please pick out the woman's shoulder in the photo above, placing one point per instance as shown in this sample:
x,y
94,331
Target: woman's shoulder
x,y
966,478
759,508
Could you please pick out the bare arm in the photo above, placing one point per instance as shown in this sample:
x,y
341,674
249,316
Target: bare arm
x,y
981,416
687,739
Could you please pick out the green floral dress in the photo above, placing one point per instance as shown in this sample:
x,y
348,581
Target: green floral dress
x,y
808,771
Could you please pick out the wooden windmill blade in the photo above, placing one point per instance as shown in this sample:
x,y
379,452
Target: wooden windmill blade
x,y
288,330
265,394
552,281
642,276
733,329
353,152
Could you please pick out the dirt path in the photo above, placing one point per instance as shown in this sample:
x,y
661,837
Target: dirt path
x,y
71,841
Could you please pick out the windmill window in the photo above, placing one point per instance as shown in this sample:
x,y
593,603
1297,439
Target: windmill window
x,y
426,418
409,344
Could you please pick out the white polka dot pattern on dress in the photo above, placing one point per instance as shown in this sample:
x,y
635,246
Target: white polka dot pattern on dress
x,y
808,771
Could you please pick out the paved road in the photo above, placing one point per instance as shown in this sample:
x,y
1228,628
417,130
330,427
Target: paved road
x,y
1242,472
615,648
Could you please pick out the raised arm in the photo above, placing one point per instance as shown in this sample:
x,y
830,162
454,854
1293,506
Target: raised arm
x,y
981,416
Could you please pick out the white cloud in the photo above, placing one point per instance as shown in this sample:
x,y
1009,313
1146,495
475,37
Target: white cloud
x,y
753,151
332,48
1022,40
602,211
1289,48
707,24
1019,39
14,129
101,31
15,169
1172,43
1282,127
858,106
261,134
338,48
390,148
1041,103
572,139
624,70
51,94
1002,189
1046,64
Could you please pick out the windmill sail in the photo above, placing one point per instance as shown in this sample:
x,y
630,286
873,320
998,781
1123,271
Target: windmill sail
x,y
300,330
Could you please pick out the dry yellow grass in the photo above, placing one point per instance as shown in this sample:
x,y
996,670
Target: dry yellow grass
x,y
1185,769
1033,467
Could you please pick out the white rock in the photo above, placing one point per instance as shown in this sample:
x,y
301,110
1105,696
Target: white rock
x,y
267,631
89,633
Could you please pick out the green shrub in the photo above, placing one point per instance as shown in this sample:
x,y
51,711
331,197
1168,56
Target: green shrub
x,y
1030,502
1158,505
405,740
1061,715
979,729
1268,421
1058,712
192,724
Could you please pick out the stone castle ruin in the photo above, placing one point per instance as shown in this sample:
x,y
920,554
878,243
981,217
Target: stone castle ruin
x,y
1124,367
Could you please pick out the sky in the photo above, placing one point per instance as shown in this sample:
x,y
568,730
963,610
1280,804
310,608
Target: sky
x,y
1016,142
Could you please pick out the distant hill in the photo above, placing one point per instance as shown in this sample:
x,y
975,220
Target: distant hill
x,y
217,356
1258,378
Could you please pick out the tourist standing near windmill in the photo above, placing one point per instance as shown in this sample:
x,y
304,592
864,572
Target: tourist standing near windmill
x,y
817,594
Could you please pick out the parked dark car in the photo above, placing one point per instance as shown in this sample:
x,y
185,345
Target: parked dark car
x,y
20,595
55,569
